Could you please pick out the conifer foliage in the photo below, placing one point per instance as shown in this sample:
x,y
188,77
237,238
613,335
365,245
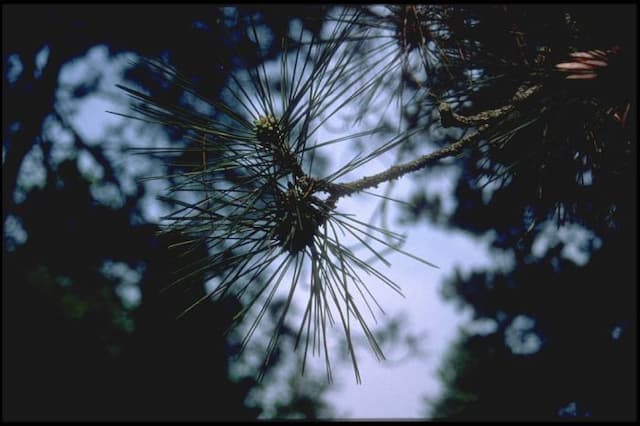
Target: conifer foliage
x,y
533,88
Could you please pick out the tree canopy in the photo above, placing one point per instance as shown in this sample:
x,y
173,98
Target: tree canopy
x,y
533,106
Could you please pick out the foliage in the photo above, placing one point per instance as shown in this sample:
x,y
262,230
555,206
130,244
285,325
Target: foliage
x,y
260,214
531,102
76,344
561,337
556,130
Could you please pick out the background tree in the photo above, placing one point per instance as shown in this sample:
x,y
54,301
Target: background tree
x,y
76,344
562,313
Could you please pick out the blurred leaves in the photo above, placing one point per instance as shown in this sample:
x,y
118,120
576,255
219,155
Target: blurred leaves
x,y
73,349
561,337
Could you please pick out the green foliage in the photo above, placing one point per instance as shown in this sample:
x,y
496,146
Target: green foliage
x,y
496,73
262,215
554,190
76,346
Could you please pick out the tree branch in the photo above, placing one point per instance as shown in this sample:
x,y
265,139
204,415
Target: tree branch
x,y
337,191
449,118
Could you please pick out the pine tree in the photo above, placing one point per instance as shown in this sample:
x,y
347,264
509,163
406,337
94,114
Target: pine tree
x,y
535,89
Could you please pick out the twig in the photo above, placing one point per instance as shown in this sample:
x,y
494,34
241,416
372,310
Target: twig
x,y
337,191
449,118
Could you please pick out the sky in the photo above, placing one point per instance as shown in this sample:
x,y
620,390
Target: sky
x,y
395,388
399,386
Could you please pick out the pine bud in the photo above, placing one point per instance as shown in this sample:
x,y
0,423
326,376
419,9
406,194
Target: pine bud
x,y
268,131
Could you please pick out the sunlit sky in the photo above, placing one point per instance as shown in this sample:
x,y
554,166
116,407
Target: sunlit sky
x,y
397,387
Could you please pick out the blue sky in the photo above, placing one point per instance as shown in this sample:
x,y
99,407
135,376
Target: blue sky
x,y
397,387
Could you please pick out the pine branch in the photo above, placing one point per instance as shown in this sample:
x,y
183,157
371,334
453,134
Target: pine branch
x,y
450,119
345,189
